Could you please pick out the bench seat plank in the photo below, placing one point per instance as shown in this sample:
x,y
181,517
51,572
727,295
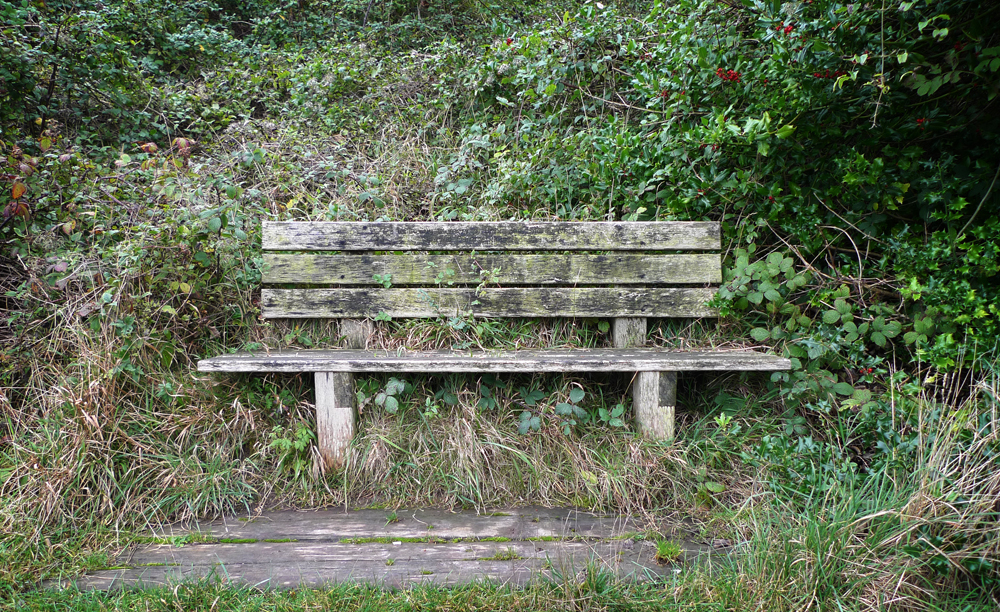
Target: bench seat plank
x,y
548,360
492,302
513,269
492,236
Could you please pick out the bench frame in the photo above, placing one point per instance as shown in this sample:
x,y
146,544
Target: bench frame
x,y
551,287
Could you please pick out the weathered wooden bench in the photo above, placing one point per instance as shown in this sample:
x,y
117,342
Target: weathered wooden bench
x,y
627,271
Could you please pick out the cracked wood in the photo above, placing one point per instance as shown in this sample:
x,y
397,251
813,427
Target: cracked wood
x,y
536,360
490,302
491,236
513,269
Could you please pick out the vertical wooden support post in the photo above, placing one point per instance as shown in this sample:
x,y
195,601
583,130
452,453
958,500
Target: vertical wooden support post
x,y
654,394
357,332
334,416
629,332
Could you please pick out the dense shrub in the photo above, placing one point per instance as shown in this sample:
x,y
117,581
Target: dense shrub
x,y
857,140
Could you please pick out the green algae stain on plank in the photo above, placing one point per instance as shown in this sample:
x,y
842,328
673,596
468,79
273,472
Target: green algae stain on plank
x,y
492,236
531,360
511,269
489,302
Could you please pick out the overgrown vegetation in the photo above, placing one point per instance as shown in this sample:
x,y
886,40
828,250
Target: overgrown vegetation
x,y
850,151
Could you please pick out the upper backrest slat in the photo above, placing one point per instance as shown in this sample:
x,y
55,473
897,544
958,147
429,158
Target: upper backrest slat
x,y
492,236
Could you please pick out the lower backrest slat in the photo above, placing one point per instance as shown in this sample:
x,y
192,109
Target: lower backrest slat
x,y
487,302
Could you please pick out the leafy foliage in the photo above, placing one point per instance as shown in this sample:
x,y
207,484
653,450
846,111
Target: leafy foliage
x,y
849,151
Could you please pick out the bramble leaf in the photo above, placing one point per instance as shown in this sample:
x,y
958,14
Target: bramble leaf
x,y
843,388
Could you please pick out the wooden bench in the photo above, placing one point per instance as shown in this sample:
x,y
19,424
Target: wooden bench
x,y
627,271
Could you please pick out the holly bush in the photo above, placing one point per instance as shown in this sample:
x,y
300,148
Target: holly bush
x,y
859,138
857,143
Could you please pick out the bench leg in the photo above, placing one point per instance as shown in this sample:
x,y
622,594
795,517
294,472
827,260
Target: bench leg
x,y
654,395
334,416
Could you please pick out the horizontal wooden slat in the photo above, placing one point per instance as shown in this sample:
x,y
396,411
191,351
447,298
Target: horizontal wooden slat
x,y
514,269
579,360
499,236
331,525
297,565
490,302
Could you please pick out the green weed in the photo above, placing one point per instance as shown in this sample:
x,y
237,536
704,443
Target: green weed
x,y
668,551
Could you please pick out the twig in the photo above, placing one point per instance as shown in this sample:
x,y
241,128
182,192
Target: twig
x,y
981,202
861,268
611,102
881,76
798,254
52,79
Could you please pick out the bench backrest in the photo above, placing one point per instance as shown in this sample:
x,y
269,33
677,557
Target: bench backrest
x,y
502,269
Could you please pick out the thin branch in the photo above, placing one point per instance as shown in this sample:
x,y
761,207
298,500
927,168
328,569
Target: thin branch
x,y
981,202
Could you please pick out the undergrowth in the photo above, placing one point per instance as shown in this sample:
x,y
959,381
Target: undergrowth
x,y
848,151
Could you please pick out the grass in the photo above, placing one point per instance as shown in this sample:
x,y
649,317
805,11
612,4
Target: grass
x,y
390,540
594,592
667,551
106,430
237,541
414,539
507,554
845,547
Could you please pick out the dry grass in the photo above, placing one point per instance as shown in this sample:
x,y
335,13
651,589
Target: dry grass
x,y
101,435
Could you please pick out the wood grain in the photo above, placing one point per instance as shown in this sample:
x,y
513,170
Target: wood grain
x,y
629,332
332,525
317,565
357,332
492,236
335,419
551,360
491,302
654,396
406,269
293,549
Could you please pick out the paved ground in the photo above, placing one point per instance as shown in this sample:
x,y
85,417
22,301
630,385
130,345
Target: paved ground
x,y
395,549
